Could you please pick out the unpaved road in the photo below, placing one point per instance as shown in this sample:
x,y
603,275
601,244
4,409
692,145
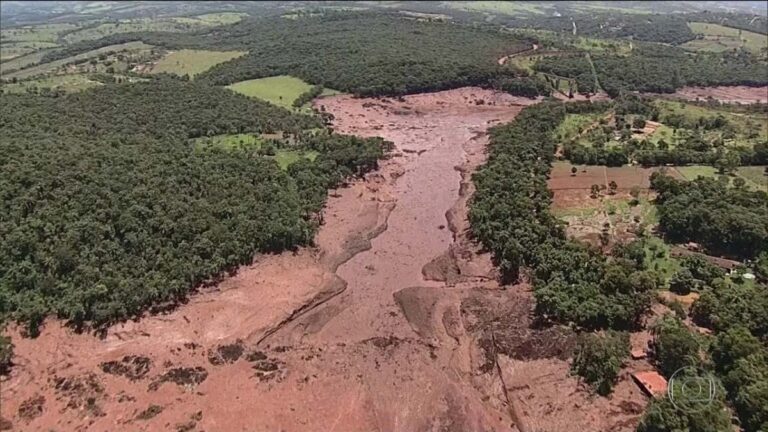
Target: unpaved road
x,y
393,322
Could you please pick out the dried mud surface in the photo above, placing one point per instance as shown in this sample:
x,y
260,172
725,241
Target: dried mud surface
x,y
394,321
727,94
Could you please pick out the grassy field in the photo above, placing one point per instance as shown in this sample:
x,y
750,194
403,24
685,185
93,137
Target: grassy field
x,y
694,171
50,67
212,19
497,7
753,175
721,38
748,127
68,83
193,62
279,90
575,124
177,24
37,33
11,50
657,255
249,142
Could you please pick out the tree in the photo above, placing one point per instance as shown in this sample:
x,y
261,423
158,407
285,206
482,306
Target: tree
x,y
594,191
682,282
598,359
727,163
574,170
613,186
6,354
701,269
674,346
634,192
662,415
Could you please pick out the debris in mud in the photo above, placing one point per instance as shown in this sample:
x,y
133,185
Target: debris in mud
x,y
266,368
82,391
150,412
256,356
384,342
131,367
5,424
191,424
31,408
125,397
183,377
186,427
506,317
225,354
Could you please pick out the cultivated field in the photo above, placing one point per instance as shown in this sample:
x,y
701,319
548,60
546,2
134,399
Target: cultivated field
x,y
192,62
720,38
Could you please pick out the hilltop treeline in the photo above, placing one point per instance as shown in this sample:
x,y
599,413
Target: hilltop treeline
x,y
659,69
754,23
510,215
363,53
108,208
666,69
670,28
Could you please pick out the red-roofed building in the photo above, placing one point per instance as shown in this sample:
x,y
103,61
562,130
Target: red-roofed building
x,y
651,382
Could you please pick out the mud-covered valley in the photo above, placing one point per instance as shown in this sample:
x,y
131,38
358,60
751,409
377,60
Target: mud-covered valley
x,y
393,321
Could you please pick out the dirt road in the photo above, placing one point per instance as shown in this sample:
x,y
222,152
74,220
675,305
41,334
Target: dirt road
x,y
393,322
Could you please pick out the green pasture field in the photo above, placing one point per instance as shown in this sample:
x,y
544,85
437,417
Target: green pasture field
x,y
721,38
36,33
575,124
279,90
193,62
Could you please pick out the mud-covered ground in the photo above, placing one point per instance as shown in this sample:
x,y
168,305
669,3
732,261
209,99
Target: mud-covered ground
x,y
393,322
727,94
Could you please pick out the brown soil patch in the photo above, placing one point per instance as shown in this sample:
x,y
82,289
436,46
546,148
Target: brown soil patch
x,y
728,94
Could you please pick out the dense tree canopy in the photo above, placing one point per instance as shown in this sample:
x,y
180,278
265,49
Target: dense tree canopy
x,y
726,220
510,215
368,54
108,208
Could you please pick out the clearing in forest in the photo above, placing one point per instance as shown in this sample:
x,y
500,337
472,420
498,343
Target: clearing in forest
x,y
137,48
754,176
193,62
260,145
279,90
720,38
67,83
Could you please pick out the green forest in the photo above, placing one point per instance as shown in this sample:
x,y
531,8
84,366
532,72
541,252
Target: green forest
x,y
108,208
367,54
